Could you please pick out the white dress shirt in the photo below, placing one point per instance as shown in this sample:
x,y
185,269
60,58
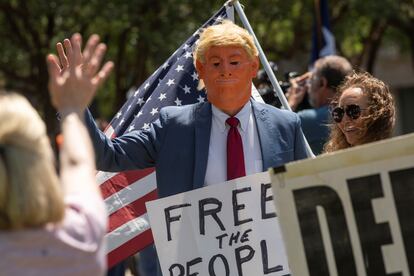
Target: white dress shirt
x,y
217,154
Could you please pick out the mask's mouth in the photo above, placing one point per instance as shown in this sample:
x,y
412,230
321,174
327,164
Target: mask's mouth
x,y
226,81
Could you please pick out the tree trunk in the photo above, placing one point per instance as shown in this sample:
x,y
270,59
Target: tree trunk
x,y
120,70
374,44
412,49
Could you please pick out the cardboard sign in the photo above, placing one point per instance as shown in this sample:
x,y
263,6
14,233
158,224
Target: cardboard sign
x,y
224,229
350,212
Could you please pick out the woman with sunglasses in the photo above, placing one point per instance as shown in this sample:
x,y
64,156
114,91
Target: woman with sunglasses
x,y
362,112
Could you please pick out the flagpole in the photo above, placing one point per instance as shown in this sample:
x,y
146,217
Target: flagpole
x,y
267,68
229,10
230,15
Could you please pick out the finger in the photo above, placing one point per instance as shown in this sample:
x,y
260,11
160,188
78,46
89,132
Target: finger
x,y
76,45
90,47
68,51
96,59
293,86
303,77
62,56
103,74
53,67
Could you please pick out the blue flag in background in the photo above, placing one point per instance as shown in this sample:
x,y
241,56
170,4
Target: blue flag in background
x,y
323,41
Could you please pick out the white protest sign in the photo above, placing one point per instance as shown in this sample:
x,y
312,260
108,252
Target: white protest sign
x,y
350,212
224,229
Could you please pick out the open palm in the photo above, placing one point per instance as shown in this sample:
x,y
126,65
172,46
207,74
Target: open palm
x,y
75,77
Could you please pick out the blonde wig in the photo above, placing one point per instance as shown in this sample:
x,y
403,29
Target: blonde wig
x,y
225,34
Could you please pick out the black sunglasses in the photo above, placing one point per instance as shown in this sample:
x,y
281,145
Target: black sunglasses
x,y
353,111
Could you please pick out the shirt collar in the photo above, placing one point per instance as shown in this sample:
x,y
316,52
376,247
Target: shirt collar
x,y
243,116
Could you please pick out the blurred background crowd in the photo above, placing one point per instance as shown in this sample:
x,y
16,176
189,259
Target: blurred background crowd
x,y
373,35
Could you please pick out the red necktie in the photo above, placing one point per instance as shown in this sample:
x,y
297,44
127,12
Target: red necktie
x,y
235,156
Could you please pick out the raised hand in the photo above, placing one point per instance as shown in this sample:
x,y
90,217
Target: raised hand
x,y
75,77
297,90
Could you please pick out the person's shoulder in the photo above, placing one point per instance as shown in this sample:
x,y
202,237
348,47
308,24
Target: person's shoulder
x,y
184,112
274,112
321,113
179,109
307,113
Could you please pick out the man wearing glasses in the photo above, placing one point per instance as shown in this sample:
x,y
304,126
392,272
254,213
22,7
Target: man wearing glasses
x,y
320,84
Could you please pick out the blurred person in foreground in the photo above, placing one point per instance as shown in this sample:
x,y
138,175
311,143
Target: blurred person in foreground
x,y
363,111
50,224
189,145
321,85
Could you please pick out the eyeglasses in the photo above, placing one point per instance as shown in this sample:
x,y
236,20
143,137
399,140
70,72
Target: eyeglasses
x,y
353,111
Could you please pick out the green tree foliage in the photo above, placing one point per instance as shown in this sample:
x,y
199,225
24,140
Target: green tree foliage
x,y
141,34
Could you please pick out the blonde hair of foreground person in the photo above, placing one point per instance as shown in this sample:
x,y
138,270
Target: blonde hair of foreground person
x,y
52,226
225,34
48,226
380,119
30,193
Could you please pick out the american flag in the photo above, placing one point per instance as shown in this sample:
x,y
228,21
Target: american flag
x,y
125,194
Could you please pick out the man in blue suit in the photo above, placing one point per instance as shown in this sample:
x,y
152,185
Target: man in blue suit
x,y
187,145
180,144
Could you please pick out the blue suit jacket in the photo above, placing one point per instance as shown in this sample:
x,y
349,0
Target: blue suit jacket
x,y
178,143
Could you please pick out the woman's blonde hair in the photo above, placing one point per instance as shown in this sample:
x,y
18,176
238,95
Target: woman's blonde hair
x,y
380,119
30,193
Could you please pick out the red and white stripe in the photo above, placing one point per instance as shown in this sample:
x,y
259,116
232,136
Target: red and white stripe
x,y
125,195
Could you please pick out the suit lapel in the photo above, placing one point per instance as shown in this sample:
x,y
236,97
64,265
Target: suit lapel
x,y
202,141
267,135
